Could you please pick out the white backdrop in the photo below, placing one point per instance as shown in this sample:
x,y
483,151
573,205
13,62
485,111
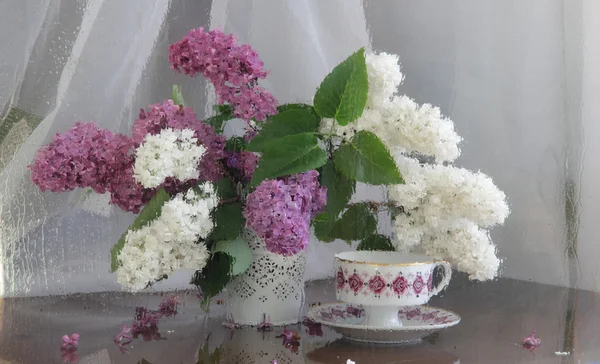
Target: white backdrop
x,y
520,80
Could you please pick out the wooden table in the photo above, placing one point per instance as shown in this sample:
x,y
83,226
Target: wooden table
x,y
495,317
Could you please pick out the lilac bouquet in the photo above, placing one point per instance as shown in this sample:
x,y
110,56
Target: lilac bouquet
x,y
293,171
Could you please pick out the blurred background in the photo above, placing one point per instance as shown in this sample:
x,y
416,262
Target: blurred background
x,y
518,79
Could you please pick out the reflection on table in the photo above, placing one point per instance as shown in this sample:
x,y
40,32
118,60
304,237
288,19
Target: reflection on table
x,y
496,316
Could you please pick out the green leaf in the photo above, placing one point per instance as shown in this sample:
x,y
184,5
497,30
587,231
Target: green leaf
x,y
217,121
206,357
224,113
343,93
235,144
223,108
150,212
225,189
376,242
356,223
239,251
339,189
291,154
323,228
214,276
177,96
366,159
286,107
229,222
322,217
289,122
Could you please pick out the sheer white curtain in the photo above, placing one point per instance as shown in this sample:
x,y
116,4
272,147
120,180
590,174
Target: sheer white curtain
x,y
99,60
519,79
103,61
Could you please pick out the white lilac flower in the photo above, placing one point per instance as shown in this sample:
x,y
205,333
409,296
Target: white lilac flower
x,y
369,121
447,193
413,128
467,246
443,206
330,126
171,153
443,209
404,126
385,77
412,193
169,242
399,121
408,230
457,193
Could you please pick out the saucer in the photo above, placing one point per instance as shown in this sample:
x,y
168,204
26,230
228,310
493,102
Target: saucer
x,y
417,322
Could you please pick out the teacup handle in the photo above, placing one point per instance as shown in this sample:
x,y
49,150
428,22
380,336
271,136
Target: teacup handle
x,y
447,275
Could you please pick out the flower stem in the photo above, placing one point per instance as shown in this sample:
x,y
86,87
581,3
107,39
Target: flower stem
x,y
229,200
205,305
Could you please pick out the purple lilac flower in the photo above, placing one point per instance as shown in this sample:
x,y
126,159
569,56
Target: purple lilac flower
x,y
250,134
265,325
87,156
231,324
307,187
124,335
168,307
531,343
291,339
279,211
169,115
127,193
83,156
233,70
249,102
69,355
245,162
123,338
145,323
313,328
70,341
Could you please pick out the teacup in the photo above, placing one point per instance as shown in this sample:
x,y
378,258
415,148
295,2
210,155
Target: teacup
x,y
383,281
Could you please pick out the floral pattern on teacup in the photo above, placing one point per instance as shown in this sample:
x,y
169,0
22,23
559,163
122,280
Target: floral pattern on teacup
x,y
378,284
426,315
430,282
348,314
340,279
418,284
355,283
342,313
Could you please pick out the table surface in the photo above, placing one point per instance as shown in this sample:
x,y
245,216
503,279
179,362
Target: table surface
x,y
496,316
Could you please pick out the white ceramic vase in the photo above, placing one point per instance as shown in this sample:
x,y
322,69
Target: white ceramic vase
x,y
273,286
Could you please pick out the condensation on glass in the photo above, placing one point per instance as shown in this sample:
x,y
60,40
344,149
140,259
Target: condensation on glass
x,y
519,79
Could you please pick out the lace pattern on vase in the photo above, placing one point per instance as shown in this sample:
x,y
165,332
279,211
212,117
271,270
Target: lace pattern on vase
x,y
272,283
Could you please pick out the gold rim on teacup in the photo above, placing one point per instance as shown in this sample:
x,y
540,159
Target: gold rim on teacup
x,y
373,264
387,264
